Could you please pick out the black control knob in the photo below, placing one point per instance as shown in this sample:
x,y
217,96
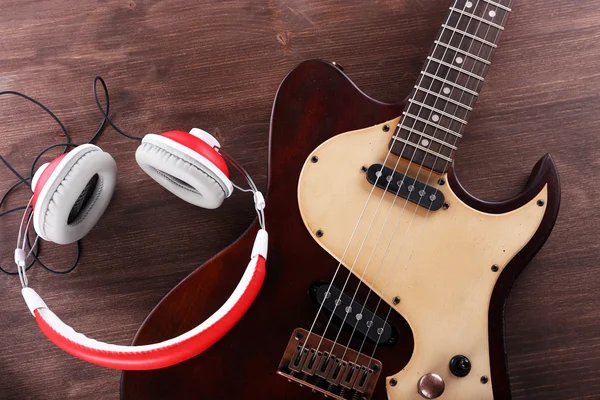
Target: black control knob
x,y
460,366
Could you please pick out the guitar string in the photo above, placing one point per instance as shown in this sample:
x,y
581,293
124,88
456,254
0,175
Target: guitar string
x,y
437,187
360,217
360,249
338,301
419,234
348,310
370,324
374,247
506,14
352,235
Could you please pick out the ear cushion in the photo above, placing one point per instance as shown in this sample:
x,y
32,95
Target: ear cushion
x,y
72,193
182,171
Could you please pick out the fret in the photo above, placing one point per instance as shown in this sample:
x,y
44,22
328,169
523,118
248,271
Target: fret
x,y
439,107
454,67
466,44
436,126
461,61
472,26
445,114
477,18
447,82
464,52
448,108
439,87
461,32
426,136
425,149
496,4
448,99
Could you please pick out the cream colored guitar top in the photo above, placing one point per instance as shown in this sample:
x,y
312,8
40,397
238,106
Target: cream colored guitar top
x,y
439,263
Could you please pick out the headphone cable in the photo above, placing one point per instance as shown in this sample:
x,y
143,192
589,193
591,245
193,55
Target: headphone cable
x,y
27,180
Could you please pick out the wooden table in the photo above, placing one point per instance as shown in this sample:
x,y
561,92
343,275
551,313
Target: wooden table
x,y
217,65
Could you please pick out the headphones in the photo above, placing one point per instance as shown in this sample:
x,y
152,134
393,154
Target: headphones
x,y
71,193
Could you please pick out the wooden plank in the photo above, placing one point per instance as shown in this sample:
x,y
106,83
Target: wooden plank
x,y
175,65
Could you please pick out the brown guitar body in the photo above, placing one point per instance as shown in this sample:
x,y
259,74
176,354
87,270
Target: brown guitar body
x,y
315,102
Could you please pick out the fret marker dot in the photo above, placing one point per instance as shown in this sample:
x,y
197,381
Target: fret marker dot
x,y
435,118
459,60
447,90
492,13
469,4
425,142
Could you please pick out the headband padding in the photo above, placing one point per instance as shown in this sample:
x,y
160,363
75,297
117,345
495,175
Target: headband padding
x,y
74,197
184,173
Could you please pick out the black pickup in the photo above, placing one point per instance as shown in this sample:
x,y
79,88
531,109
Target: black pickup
x,y
406,187
377,330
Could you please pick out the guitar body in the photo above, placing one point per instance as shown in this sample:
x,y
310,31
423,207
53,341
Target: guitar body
x,y
451,299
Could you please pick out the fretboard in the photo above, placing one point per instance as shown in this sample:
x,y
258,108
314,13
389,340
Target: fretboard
x,y
440,104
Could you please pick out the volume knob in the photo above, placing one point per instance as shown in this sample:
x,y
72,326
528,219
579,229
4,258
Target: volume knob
x,y
431,386
460,366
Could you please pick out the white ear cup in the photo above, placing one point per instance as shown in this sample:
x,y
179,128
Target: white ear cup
x,y
183,172
74,197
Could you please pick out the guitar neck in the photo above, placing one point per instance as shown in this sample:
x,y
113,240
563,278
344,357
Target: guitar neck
x,y
440,104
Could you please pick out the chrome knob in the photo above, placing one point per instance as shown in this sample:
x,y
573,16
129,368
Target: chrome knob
x,y
431,386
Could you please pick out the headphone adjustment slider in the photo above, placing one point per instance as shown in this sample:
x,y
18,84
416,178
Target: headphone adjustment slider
x,y
261,244
259,201
33,300
20,257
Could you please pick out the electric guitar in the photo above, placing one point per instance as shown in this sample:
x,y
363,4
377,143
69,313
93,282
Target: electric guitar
x,y
385,278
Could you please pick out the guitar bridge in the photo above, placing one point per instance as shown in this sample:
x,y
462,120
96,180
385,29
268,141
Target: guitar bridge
x,y
305,363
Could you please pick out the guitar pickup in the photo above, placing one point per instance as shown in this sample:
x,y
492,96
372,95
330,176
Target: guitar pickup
x,y
406,187
356,317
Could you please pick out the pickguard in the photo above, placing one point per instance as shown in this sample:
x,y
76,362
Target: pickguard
x,y
439,263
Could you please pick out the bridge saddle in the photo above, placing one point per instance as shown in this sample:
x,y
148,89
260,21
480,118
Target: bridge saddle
x,y
323,369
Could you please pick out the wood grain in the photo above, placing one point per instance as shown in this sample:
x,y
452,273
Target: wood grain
x,y
176,64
